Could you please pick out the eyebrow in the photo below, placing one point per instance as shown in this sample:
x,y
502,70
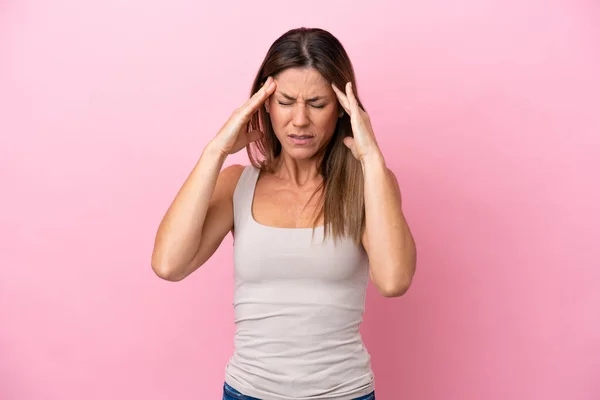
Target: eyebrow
x,y
312,99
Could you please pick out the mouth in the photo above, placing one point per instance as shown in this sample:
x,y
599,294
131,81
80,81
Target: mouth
x,y
301,139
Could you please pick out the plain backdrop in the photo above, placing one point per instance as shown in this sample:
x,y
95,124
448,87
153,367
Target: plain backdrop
x,y
487,111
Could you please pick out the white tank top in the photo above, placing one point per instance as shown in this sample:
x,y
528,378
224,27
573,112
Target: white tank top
x,y
298,303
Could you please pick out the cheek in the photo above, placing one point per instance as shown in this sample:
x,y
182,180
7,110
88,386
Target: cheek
x,y
278,114
326,122
279,120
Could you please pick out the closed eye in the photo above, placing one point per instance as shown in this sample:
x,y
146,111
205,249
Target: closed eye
x,y
312,105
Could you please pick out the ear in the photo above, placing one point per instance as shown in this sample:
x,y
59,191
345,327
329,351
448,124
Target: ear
x,y
267,105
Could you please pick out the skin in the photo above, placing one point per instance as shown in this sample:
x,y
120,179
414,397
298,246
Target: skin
x,y
299,101
303,103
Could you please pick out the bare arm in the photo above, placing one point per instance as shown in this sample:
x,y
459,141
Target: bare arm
x,y
198,220
387,237
201,214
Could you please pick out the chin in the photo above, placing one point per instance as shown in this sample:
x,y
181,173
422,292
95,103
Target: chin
x,y
300,154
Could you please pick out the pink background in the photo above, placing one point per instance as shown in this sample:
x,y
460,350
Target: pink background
x,y
488,112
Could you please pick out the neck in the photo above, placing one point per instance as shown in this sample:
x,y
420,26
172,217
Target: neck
x,y
298,172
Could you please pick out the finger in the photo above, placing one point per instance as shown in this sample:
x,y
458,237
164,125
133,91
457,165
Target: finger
x,y
351,98
342,98
259,98
262,94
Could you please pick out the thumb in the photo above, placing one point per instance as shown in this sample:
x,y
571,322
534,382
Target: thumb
x,y
349,142
253,136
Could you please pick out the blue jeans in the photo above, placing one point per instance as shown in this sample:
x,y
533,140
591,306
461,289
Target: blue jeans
x,y
230,393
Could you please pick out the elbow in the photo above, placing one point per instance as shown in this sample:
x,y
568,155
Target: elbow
x,y
165,270
394,284
396,289
400,282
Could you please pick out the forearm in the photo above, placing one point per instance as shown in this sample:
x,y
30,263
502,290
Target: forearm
x,y
180,230
392,252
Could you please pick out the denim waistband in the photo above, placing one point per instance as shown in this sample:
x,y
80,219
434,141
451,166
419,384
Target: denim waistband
x,y
230,393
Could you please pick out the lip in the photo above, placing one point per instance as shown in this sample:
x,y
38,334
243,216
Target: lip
x,y
301,141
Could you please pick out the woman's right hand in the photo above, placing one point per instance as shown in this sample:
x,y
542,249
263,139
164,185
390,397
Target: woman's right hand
x,y
234,136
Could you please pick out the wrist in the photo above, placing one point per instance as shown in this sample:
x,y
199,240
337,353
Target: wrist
x,y
371,160
213,150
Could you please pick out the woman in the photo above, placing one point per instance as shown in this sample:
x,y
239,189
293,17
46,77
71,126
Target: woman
x,y
313,217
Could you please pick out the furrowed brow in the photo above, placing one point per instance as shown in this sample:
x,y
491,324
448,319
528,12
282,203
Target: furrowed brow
x,y
311,100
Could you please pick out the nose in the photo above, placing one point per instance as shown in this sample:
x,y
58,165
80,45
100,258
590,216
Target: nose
x,y
300,117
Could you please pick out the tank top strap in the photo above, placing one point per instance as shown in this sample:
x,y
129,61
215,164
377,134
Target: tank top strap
x,y
243,195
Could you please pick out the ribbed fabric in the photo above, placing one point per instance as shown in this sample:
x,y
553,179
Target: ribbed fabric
x,y
299,302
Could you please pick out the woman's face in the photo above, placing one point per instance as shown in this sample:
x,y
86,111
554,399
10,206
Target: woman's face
x,y
303,110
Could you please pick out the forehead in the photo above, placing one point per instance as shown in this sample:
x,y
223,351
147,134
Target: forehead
x,y
304,82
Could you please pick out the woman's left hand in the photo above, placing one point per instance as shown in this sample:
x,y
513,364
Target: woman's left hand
x,y
363,145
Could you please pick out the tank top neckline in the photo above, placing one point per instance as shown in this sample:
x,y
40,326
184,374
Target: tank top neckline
x,y
255,176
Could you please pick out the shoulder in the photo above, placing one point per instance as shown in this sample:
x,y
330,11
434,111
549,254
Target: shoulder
x,y
232,172
229,176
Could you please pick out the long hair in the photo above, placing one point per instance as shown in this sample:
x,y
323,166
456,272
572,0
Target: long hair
x,y
341,200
